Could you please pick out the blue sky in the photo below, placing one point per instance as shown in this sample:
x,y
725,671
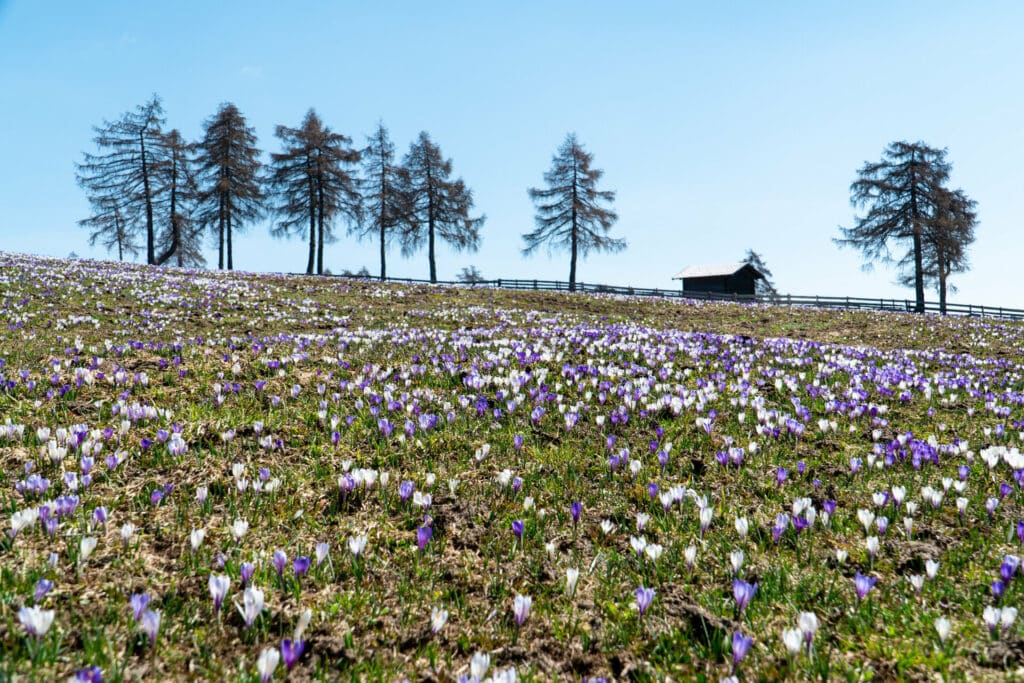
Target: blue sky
x,y
721,126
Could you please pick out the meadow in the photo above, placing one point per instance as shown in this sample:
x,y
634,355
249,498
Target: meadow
x,y
214,476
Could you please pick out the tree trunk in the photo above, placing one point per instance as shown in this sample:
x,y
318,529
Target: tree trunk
x,y
383,214
220,232
320,231
942,289
231,262
312,222
575,233
915,216
430,226
433,261
383,267
918,273
150,247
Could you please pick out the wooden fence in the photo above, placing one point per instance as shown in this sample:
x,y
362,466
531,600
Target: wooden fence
x,y
846,302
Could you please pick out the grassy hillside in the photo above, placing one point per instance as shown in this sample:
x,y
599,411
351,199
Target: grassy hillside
x,y
414,479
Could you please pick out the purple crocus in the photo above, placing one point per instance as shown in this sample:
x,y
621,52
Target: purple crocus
x,y
405,490
139,602
576,508
863,584
301,566
781,475
151,624
740,645
246,571
517,441
90,674
280,561
644,598
743,592
517,529
423,535
779,528
291,651
43,586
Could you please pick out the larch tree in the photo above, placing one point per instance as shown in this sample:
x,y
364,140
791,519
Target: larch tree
x,y
901,193
130,150
945,241
228,174
570,210
437,207
181,237
110,226
764,286
383,183
311,185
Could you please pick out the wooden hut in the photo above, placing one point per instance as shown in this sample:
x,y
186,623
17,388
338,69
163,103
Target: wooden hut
x,y
731,278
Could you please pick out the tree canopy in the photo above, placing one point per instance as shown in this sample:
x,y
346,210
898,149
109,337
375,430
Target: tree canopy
x,y
570,210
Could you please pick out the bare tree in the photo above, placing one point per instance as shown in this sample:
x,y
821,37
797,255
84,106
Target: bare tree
x,y
311,185
437,207
765,286
569,211
131,148
177,192
471,276
944,245
111,227
385,203
902,193
228,174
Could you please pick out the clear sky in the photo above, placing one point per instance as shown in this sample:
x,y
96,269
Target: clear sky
x,y
721,125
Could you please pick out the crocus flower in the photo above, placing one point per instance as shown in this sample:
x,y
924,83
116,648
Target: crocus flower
x,y
300,566
740,645
357,544
138,602
280,561
218,585
291,651
517,529
43,586
322,551
89,674
252,605
85,547
478,665
521,608
576,508
792,639
238,529
151,624
808,625
644,598
438,618
863,584
943,627
35,621
572,575
423,535
743,592
267,663
245,571
196,538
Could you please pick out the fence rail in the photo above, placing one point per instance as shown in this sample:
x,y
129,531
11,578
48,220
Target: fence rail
x,y
844,302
